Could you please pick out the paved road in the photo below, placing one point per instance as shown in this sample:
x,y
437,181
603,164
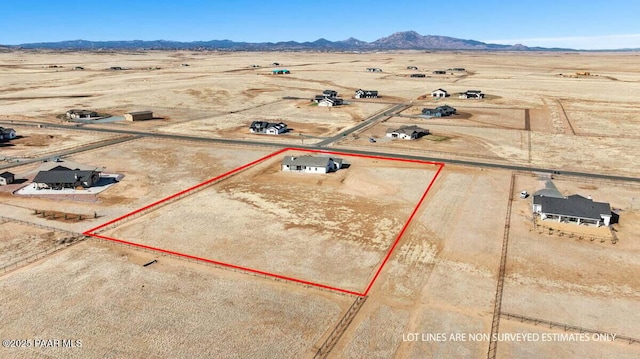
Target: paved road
x,y
92,146
281,145
370,121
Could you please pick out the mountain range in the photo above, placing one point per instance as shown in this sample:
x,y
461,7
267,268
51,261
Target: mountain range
x,y
407,40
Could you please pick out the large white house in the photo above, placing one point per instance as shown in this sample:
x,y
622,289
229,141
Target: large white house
x,y
549,204
407,132
311,164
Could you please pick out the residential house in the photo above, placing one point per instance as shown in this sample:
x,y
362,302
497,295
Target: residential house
x,y
330,101
572,209
431,112
439,93
330,93
76,114
439,111
374,69
446,110
418,75
472,94
280,72
407,132
61,177
366,94
6,178
269,128
412,68
439,72
7,134
311,164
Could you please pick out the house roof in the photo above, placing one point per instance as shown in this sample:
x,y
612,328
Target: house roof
x,y
439,90
309,161
6,175
549,190
63,176
139,112
408,130
572,206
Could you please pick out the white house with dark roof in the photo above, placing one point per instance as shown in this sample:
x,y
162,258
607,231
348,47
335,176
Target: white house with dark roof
x,y
360,93
6,178
439,93
550,204
269,128
407,132
472,94
330,102
311,164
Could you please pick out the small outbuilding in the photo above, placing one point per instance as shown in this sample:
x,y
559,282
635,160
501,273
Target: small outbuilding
x,y
311,164
407,132
138,116
6,178
439,93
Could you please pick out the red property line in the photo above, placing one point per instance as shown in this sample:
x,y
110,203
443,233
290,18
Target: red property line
x,y
246,269
404,229
92,233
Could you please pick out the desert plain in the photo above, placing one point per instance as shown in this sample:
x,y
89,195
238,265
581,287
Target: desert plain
x,y
416,249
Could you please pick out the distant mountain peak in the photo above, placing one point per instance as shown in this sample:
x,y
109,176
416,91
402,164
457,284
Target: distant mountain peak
x,y
403,40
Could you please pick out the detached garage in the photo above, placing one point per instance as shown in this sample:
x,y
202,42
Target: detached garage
x,y
138,116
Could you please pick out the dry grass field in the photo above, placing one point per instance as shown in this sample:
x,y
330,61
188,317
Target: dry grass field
x,y
152,170
105,297
333,229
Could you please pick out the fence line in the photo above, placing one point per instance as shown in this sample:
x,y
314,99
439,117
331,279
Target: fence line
x,y
163,203
342,326
566,327
497,305
214,265
9,219
580,236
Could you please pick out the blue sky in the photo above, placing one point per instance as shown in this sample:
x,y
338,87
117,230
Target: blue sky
x,y
558,23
